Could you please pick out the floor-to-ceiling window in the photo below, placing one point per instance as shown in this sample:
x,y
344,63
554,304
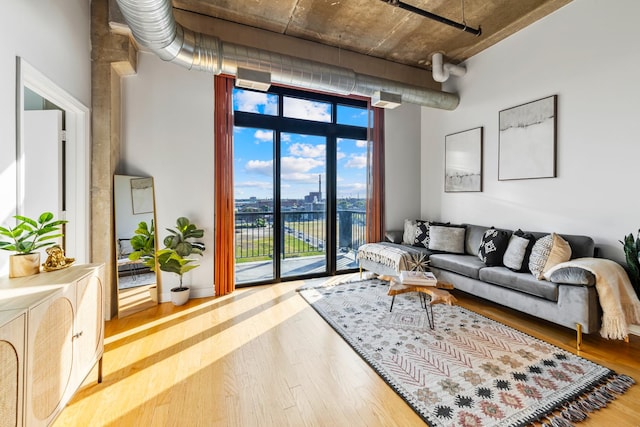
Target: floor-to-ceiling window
x,y
300,171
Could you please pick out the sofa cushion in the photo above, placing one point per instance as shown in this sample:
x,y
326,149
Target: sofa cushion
x,y
393,236
547,252
412,232
422,234
572,276
447,238
516,257
581,246
493,245
467,265
523,282
473,237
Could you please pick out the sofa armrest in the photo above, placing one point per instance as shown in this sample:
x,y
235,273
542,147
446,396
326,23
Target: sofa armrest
x,y
393,236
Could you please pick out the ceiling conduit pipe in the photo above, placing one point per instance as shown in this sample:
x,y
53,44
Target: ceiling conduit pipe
x,y
153,25
441,71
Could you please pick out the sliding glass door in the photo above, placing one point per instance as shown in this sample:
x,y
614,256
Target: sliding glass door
x,y
303,207
300,169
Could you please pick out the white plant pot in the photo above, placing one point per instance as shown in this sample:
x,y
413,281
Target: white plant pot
x,y
179,297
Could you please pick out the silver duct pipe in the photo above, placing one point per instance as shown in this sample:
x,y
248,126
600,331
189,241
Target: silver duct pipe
x,y
153,26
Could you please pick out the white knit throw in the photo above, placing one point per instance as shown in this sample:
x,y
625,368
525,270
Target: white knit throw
x,y
619,302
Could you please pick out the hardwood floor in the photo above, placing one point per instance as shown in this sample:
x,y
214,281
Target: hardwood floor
x,y
263,357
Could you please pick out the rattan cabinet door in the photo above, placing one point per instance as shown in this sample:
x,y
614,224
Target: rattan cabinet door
x,y
89,325
11,369
50,356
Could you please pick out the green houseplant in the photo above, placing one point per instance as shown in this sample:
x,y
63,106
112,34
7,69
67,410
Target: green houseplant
x,y
175,257
631,248
144,244
26,238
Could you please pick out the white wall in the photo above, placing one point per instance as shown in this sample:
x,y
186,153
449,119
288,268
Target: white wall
x,y
168,134
586,53
54,37
402,165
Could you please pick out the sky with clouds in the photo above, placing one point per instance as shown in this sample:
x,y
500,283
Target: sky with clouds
x,y
303,157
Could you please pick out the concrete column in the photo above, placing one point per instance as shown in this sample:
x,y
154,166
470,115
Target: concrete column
x,y
112,56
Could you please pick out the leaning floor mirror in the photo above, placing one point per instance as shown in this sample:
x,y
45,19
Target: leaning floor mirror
x,y
134,206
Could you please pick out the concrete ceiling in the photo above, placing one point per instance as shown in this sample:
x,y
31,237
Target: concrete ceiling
x,y
379,29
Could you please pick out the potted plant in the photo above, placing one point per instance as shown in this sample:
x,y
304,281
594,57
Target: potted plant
x,y
175,256
144,248
143,244
631,248
25,239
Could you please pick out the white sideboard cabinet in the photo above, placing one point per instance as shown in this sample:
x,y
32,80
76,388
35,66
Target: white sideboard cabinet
x,y
51,337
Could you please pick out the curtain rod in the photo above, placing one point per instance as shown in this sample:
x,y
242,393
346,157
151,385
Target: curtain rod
x,y
435,17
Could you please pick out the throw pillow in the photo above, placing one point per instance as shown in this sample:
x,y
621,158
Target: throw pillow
x,y
547,252
516,257
409,235
394,236
493,246
422,234
572,276
447,238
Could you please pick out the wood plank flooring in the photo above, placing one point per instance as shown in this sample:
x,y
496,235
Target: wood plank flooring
x,y
263,357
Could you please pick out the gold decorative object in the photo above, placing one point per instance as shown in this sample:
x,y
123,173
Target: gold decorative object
x,y
56,259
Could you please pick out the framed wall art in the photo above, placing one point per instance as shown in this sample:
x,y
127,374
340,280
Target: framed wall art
x,y
527,140
463,161
142,195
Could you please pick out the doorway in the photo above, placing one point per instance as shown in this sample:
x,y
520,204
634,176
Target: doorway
x,y
300,170
72,166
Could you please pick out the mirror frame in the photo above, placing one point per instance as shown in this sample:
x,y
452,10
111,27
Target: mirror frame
x,y
148,204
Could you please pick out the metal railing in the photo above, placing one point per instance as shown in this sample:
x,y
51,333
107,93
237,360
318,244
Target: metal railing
x,y
303,233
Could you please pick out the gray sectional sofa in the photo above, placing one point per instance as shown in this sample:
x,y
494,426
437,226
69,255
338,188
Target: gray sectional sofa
x,y
574,305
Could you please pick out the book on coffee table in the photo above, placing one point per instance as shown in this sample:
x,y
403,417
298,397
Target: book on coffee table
x,y
418,278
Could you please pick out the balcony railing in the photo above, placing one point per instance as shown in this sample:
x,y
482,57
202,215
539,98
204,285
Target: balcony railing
x,y
303,234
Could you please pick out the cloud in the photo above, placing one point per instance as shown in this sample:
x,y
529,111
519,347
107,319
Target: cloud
x,y
353,186
254,184
361,144
292,165
300,177
340,155
356,162
253,102
307,110
293,168
307,150
261,167
263,135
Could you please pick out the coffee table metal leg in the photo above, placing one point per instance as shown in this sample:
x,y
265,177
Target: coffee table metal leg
x,y
429,310
393,298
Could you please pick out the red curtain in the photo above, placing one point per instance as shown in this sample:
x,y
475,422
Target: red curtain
x,y
375,184
224,273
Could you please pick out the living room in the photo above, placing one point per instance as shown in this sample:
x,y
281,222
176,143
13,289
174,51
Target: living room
x,y
582,53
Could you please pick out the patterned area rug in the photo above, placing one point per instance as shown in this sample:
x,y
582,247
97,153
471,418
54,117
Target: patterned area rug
x,y
469,370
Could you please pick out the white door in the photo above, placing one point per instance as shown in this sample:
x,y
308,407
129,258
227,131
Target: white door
x,y
43,163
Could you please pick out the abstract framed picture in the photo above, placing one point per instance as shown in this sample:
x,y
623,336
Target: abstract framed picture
x,y
527,140
463,161
142,195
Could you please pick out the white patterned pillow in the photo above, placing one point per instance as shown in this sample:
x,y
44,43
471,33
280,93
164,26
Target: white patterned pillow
x,y
410,228
548,251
